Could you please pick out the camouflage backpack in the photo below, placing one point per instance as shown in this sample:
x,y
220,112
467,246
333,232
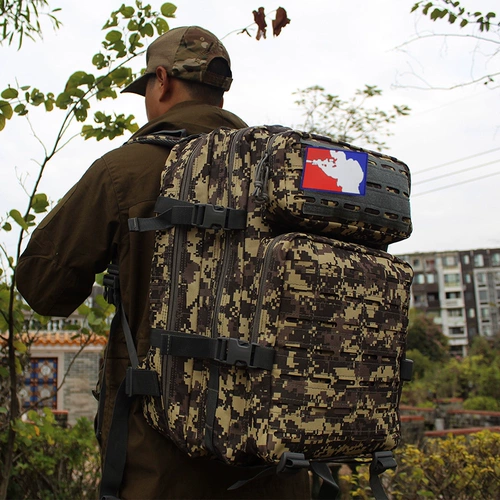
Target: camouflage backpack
x,y
278,319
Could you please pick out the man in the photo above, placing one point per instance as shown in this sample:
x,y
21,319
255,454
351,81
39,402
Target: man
x,y
188,71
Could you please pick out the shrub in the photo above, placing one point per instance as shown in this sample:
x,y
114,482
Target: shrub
x,y
486,403
52,462
454,468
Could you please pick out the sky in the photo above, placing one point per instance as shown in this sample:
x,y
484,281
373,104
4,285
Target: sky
x,y
450,140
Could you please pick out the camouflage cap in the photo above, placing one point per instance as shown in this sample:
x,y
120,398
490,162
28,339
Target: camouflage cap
x,y
186,53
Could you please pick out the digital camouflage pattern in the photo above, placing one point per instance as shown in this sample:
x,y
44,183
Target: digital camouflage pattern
x,y
334,311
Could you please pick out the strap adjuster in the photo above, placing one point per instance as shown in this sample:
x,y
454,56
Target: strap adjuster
x,y
111,283
382,461
207,216
235,352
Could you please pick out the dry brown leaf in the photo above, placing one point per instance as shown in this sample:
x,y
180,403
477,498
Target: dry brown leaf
x,y
260,20
280,21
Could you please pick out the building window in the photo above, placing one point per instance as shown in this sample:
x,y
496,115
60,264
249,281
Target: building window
x,y
481,278
419,279
432,297
479,260
496,275
449,261
431,278
486,330
40,383
416,262
452,279
495,259
467,278
466,260
453,295
456,330
471,313
455,313
485,313
483,295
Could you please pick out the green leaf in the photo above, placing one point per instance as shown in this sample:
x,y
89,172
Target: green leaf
x,y
7,226
10,93
113,36
3,373
161,26
39,203
120,75
49,104
20,346
6,109
64,100
99,61
147,30
168,9
133,25
37,97
19,368
126,12
16,215
2,122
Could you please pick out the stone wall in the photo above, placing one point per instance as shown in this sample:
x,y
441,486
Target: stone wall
x,y
80,382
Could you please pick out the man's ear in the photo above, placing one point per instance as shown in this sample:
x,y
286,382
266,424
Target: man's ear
x,y
163,80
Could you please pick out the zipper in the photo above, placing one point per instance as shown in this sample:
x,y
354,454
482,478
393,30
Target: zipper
x,y
179,239
263,281
227,247
213,377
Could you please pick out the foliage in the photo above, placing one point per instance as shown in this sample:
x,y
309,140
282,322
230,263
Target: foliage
x,y
482,403
52,462
452,11
125,32
480,28
123,41
22,18
426,337
348,120
455,468
475,378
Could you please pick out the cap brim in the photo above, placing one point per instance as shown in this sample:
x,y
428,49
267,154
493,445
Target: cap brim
x,y
138,86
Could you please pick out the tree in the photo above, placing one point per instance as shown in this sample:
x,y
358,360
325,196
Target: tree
x,y
481,29
348,120
427,337
22,18
124,35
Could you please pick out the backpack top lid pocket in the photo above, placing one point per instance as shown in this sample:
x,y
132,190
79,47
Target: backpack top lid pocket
x,y
335,189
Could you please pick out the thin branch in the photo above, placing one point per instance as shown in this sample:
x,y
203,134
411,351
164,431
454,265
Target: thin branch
x,y
444,35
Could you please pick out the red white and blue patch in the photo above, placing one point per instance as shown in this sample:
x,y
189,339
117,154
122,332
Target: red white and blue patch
x,y
334,171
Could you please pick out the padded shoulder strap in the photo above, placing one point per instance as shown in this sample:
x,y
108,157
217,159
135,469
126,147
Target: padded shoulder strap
x,y
166,138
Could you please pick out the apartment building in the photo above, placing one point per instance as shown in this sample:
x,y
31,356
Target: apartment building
x,y
461,289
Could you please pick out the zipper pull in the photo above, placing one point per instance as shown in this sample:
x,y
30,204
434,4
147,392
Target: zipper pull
x,y
260,194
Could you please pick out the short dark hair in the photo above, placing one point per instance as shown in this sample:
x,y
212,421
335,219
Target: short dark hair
x,y
208,93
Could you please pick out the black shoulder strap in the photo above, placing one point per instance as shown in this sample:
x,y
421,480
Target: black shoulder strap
x,y
136,381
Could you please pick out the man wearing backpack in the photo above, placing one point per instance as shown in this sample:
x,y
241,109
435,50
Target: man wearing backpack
x,y
188,71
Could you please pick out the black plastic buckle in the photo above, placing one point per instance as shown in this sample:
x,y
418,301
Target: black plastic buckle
x,y
111,283
208,216
234,352
290,461
382,461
